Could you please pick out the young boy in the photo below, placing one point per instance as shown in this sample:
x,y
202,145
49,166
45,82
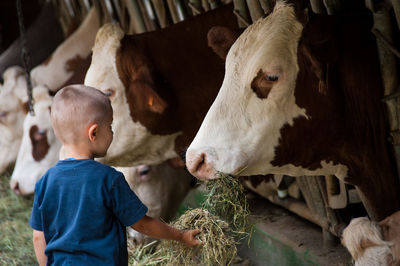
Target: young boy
x,y
81,207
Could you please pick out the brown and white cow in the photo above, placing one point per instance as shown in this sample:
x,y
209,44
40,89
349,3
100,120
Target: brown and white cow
x,y
57,71
160,83
161,188
42,38
374,244
302,96
70,55
13,109
39,147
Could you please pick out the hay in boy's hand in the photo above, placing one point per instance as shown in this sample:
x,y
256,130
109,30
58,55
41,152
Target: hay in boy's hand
x,y
226,199
218,243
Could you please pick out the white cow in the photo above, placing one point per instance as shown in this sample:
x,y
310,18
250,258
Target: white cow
x,y
160,187
13,108
39,147
63,62
302,96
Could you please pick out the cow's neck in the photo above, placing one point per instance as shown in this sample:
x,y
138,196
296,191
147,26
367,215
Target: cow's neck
x,y
347,122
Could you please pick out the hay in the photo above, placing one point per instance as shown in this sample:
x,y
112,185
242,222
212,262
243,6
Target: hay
x,y
219,245
226,199
221,226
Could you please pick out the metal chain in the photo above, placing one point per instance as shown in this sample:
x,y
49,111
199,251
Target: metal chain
x,y
25,57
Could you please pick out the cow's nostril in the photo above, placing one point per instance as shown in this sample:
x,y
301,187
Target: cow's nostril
x,y
15,187
200,162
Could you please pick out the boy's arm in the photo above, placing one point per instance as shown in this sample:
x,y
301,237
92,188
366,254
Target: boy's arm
x,y
157,229
39,244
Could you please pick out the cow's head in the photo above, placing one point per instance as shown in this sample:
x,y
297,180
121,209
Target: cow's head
x,y
13,108
123,76
243,127
160,187
39,147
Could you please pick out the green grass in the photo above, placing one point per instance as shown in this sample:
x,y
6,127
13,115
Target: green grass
x,y
16,247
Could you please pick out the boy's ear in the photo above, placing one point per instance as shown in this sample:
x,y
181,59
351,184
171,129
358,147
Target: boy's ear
x,y
92,133
220,39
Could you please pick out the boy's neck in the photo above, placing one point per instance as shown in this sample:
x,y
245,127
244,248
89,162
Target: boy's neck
x,y
76,152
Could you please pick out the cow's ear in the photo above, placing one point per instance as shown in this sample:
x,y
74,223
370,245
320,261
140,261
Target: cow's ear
x,y
318,65
147,98
220,39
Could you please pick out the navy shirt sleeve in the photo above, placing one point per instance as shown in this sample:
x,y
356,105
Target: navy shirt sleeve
x,y
36,218
126,205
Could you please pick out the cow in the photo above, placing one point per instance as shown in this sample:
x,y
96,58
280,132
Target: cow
x,y
372,243
42,38
67,65
13,108
39,147
70,55
160,187
147,76
302,96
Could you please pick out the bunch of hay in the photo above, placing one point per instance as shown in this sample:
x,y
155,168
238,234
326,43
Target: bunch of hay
x,y
221,227
219,245
226,198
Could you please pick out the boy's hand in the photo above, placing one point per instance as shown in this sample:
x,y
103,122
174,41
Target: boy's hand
x,y
188,237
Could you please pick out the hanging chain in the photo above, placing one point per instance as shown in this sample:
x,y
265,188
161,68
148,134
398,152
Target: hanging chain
x,y
25,56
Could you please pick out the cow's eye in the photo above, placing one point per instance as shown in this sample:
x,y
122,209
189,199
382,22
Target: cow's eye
x,y
272,77
3,114
109,92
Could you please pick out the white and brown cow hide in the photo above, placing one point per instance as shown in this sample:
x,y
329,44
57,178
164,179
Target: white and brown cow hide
x,y
302,96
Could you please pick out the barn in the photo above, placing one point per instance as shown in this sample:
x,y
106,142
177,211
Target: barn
x,y
297,99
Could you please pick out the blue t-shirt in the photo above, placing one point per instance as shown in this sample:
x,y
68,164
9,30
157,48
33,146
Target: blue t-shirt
x,y
83,207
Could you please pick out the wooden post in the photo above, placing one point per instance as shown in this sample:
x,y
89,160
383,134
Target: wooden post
x,y
333,6
205,5
242,13
255,9
382,26
173,11
148,15
317,202
161,13
267,6
196,7
136,20
318,7
396,8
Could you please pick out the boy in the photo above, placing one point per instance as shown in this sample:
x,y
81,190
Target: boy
x,y
81,207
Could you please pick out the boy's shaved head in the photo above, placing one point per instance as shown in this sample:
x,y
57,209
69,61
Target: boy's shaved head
x,y
74,108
